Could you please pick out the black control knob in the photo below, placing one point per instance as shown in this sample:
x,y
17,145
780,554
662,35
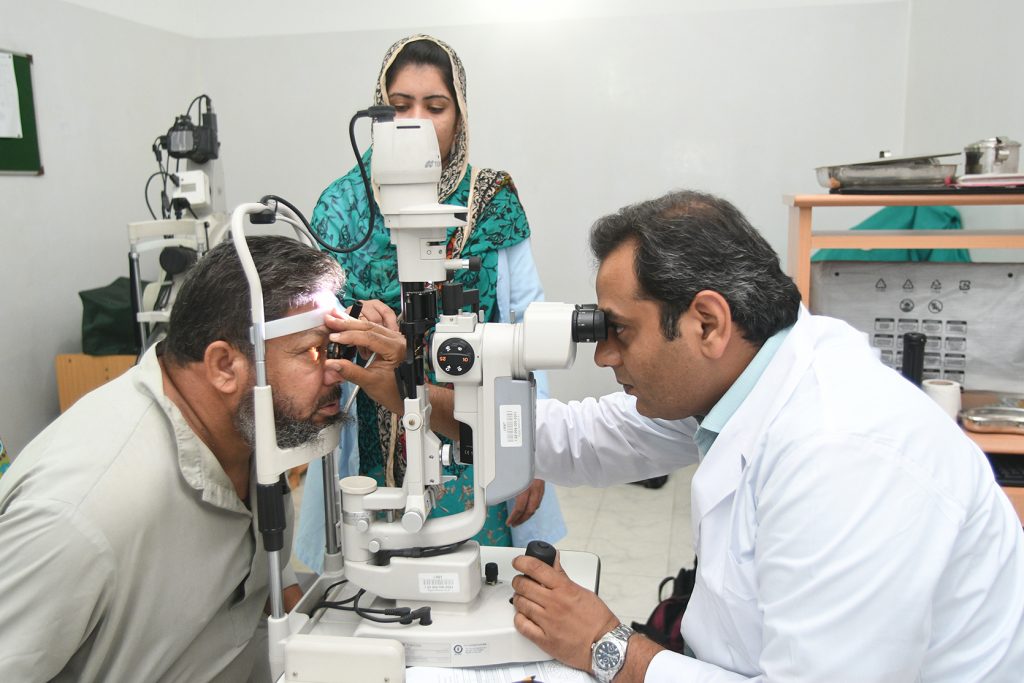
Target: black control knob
x,y
545,552
455,356
491,573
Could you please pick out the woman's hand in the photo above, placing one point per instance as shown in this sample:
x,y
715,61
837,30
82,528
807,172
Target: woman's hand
x,y
378,380
377,312
527,503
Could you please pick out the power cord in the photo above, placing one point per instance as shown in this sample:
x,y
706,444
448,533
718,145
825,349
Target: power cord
x,y
391,615
383,112
384,556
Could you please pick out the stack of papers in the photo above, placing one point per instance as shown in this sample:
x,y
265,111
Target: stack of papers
x,y
538,672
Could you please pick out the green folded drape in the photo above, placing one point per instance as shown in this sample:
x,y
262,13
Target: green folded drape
x,y
903,218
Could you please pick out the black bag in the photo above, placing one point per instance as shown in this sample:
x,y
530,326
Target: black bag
x,y
663,625
108,322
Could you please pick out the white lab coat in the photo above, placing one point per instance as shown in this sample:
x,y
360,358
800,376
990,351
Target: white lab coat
x,y
846,529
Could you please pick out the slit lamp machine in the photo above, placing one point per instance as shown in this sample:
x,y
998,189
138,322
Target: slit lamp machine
x,y
400,587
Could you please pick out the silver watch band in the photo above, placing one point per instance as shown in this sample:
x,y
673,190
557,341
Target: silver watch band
x,y
618,638
622,632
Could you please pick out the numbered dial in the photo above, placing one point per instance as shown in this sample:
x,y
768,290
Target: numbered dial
x,y
455,356
607,656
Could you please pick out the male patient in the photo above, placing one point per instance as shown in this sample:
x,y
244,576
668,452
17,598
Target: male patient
x,y
128,539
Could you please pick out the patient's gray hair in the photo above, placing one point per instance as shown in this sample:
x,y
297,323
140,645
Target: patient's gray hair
x,y
687,242
213,303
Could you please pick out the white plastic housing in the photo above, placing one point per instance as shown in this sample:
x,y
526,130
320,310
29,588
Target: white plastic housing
x,y
194,187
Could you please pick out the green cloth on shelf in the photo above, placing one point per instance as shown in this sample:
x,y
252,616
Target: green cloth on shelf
x,y
904,218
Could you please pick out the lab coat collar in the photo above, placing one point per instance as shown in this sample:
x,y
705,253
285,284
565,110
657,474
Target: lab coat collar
x,y
741,439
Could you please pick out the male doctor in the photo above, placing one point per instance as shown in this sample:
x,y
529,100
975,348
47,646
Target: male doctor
x,y
845,527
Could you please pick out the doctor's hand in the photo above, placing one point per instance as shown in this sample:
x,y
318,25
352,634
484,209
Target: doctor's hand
x,y
378,312
527,503
378,380
559,616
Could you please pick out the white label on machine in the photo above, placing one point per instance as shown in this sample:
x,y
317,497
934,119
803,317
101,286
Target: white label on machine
x,y
439,583
461,649
511,425
428,654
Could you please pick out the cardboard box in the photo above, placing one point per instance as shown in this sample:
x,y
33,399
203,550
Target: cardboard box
x,y
78,374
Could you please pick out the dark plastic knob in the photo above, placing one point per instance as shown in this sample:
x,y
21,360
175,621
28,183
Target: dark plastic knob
x,y
545,552
491,573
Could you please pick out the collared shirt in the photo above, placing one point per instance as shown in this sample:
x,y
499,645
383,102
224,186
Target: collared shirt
x,y
714,422
127,555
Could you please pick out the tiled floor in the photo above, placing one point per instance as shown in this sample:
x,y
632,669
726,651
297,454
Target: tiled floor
x,y
641,535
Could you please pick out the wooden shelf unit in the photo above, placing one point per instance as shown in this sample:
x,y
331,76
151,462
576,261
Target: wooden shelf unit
x,y
804,240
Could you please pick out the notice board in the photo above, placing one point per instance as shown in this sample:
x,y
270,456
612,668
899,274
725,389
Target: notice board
x,y
19,136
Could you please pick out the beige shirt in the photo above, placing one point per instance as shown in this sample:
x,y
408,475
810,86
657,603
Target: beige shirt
x,y
125,553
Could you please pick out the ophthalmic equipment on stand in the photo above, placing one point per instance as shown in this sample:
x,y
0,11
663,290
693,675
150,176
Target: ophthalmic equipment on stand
x,y
401,587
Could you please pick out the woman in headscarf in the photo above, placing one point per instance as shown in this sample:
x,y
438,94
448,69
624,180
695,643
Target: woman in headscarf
x,y
422,77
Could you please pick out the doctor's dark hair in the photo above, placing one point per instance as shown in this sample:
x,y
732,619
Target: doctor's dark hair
x,y
687,242
424,53
213,303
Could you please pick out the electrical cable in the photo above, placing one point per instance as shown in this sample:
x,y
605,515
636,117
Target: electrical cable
x,y
196,99
146,192
162,171
312,233
430,551
372,112
394,615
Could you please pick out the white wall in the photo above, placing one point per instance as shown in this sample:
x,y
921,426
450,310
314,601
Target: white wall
x,y
591,114
104,88
589,106
966,82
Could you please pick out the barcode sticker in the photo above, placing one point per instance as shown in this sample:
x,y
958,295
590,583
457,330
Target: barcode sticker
x,y
511,425
439,583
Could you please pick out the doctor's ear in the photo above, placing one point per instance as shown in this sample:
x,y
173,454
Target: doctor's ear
x,y
226,367
711,311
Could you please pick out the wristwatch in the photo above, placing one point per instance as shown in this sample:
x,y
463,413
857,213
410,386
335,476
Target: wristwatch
x,y
608,654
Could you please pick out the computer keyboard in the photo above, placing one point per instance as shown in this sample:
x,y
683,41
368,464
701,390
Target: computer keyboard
x,y
1008,468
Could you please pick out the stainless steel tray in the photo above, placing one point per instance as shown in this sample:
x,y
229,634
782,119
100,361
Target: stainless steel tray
x,y
999,419
919,171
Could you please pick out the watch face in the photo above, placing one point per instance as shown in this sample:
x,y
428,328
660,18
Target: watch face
x,y
606,656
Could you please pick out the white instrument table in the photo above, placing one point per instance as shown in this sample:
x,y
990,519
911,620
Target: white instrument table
x,y
490,612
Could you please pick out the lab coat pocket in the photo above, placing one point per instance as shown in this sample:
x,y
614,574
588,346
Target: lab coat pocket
x,y
742,610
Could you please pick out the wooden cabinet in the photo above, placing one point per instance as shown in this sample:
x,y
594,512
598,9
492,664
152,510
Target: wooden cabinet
x,y
804,240
78,374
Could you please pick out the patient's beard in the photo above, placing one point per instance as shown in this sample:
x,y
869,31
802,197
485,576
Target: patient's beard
x,y
291,431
